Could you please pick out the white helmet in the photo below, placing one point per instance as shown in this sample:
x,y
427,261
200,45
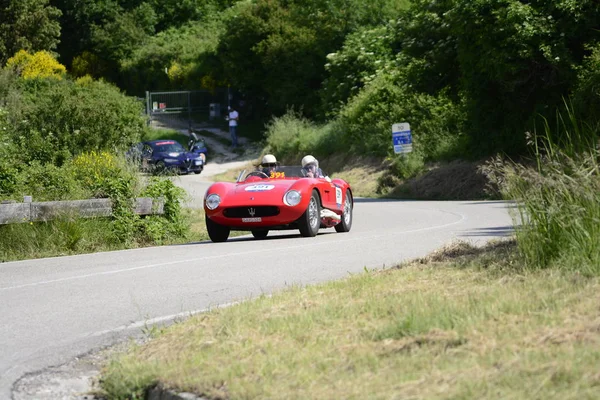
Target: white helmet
x,y
269,159
309,160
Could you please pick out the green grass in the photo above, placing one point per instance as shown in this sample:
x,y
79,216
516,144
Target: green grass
x,y
557,197
69,236
471,326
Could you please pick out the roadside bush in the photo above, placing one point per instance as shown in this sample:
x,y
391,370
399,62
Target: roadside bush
x,y
291,136
54,120
106,175
8,172
171,224
557,201
48,183
95,170
365,123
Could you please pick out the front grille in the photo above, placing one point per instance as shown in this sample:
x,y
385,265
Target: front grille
x,y
245,212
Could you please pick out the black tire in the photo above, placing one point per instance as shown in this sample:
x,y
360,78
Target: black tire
x,y
346,223
260,233
217,233
197,172
310,221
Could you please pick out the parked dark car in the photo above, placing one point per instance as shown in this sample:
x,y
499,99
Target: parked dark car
x,y
168,155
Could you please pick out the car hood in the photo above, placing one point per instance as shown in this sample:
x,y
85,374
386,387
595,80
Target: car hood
x,y
265,186
259,192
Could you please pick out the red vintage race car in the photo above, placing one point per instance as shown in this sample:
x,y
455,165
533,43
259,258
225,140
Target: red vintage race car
x,y
286,199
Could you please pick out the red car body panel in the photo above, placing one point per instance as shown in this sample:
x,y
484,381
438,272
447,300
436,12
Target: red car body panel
x,y
242,203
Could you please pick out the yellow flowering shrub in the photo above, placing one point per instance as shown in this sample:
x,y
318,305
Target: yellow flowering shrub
x,y
95,169
175,71
38,65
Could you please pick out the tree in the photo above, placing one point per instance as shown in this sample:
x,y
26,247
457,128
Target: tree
x,y
276,49
27,24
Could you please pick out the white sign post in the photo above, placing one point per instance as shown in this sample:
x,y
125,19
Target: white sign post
x,y
401,138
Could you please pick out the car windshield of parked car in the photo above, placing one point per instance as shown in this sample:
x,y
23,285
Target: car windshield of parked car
x,y
280,172
168,147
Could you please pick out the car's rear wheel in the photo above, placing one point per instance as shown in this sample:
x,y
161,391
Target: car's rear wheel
x,y
260,233
310,221
216,232
346,223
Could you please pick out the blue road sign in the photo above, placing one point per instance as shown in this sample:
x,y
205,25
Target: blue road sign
x,y
401,138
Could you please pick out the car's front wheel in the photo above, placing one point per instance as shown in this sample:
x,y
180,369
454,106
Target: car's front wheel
x,y
346,223
310,221
216,232
260,233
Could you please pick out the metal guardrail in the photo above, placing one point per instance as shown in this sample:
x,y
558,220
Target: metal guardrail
x,y
11,213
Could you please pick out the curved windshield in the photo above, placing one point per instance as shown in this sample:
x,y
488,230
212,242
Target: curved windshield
x,y
280,172
170,147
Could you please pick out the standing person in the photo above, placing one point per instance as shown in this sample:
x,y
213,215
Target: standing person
x,y
233,117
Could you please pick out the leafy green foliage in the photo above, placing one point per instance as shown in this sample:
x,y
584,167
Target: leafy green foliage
x,y
364,53
55,120
558,207
276,50
172,224
365,123
190,48
27,24
586,96
48,183
292,136
509,59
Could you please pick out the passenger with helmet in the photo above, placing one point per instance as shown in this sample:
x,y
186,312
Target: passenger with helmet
x,y
310,165
268,164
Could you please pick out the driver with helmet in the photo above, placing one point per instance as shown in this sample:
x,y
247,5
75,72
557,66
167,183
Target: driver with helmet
x,y
310,165
268,164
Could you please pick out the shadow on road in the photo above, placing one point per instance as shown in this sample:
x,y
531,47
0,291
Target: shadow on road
x,y
500,231
272,236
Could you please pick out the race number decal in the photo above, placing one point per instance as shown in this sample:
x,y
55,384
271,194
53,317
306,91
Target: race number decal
x,y
259,188
275,175
338,196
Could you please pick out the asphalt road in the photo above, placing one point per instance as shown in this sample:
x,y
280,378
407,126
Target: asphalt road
x,y
57,308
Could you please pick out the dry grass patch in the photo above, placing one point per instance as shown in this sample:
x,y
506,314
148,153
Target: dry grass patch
x,y
435,330
456,180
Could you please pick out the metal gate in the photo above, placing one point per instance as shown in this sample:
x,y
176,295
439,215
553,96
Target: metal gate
x,y
184,108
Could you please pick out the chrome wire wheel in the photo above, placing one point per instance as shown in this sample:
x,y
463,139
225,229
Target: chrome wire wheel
x,y
310,221
348,210
346,223
313,213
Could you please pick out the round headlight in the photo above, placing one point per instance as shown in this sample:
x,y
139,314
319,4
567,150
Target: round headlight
x,y
292,198
213,201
